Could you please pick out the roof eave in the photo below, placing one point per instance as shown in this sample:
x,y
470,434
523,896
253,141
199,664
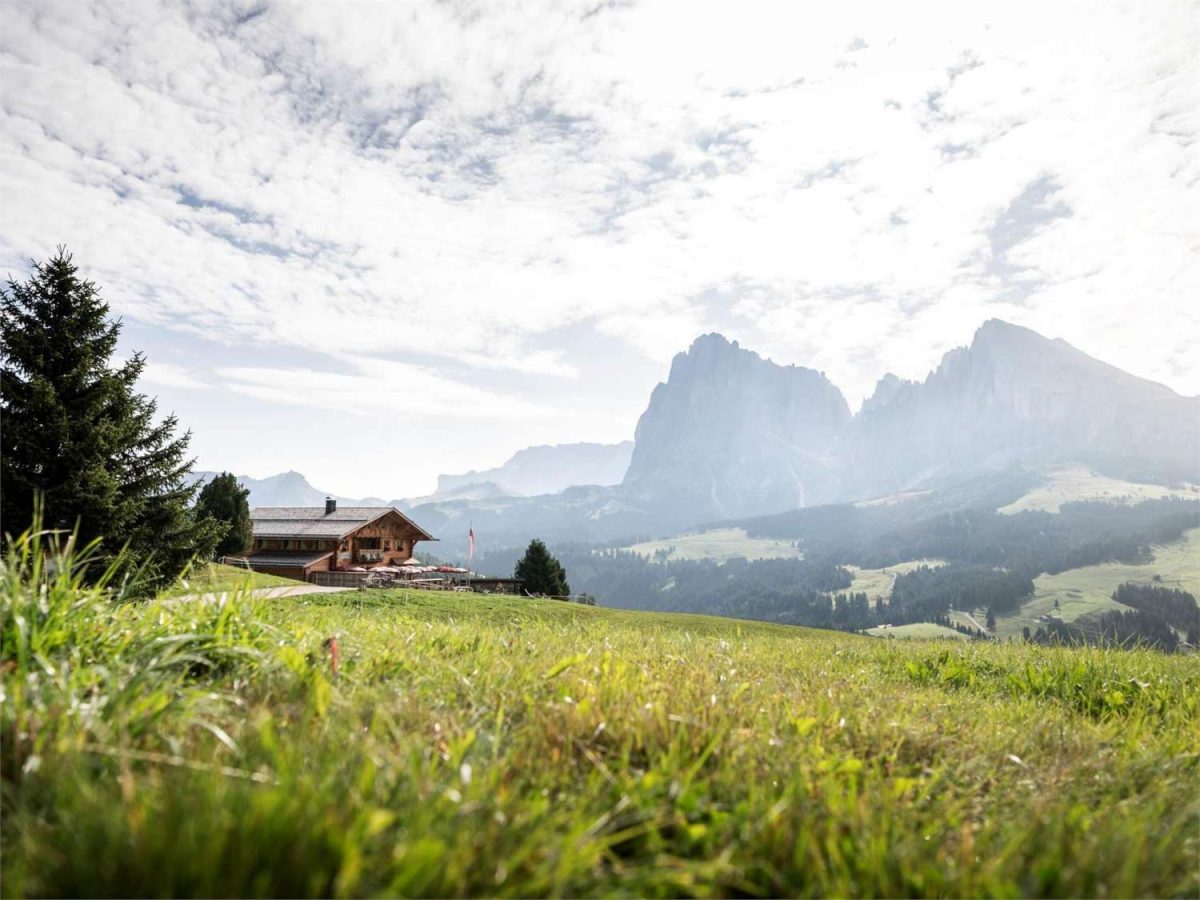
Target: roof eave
x,y
391,509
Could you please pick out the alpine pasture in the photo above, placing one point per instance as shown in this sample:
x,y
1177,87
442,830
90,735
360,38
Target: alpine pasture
x,y
425,744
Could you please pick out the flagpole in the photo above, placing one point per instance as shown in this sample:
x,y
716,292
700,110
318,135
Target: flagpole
x,y
470,545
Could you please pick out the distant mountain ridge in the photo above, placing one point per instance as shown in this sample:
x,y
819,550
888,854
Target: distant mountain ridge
x,y
1014,396
549,469
530,472
730,434
286,489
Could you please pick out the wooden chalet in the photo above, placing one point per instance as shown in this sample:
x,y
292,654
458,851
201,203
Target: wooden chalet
x,y
296,541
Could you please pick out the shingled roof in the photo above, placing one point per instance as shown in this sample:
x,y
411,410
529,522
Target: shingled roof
x,y
314,522
284,560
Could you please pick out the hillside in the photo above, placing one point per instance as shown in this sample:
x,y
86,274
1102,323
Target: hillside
x,y
474,745
1075,484
719,544
1088,590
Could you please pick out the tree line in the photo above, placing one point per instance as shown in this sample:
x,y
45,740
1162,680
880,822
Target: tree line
x,y
1080,534
1156,617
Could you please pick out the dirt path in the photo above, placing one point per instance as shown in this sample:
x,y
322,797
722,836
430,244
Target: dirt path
x,y
974,621
271,593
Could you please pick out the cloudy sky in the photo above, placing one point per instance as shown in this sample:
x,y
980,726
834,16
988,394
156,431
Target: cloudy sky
x,y
377,241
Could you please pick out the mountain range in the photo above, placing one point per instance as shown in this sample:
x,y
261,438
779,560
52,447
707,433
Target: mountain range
x,y
731,434
545,469
548,469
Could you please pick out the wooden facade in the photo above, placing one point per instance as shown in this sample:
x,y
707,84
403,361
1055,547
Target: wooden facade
x,y
294,542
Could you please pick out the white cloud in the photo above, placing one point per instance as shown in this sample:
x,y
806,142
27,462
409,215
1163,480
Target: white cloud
x,y
378,388
169,375
467,181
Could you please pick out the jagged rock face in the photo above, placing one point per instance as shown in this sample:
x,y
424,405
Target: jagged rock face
x,y
1015,396
550,469
732,434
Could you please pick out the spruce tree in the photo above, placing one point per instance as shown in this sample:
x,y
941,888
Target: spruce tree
x,y
541,572
225,501
79,437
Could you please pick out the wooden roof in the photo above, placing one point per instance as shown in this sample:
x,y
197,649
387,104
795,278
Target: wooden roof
x,y
313,522
287,560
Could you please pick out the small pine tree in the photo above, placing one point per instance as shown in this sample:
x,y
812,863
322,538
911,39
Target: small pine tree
x,y
991,620
541,572
224,500
77,435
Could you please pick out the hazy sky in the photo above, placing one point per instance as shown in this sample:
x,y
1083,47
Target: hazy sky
x,y
378,241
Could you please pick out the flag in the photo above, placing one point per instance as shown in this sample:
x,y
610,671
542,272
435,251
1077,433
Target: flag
x,y
470,546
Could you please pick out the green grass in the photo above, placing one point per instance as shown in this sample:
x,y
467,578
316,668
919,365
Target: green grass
x,y
1070,484
918,630
1088,590
721,544
878,582
215,578
482,745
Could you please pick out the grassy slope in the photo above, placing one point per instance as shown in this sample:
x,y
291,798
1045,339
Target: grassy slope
x,y
720,544
1074,483
498,746
878,582
919,630
1089,589
214,578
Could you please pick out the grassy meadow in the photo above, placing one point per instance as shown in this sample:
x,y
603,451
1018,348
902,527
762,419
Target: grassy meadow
x,y
918,631
1088,590
878,583
486,745
721,544
1070,484
216,578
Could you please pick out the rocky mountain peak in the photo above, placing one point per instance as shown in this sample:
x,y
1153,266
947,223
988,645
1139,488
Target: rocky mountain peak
x,y
1015,396
730,432
886,390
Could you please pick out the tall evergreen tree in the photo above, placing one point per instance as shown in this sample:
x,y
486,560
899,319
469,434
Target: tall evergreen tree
x,y
541,572
78,435
225,501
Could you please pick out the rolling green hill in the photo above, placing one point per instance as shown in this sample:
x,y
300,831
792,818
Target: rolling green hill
x,y
917,631
1074,484
486,745
1088,590
878,582
215,578
721,544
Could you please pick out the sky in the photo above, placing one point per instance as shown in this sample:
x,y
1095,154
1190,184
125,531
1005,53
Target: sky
x,y
373,242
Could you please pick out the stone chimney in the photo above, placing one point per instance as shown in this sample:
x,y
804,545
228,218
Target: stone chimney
x,y
330,505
